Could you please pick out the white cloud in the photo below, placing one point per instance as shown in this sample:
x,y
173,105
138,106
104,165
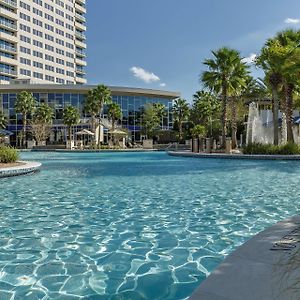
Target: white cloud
x,y
291,21
250,59
144,75
162,84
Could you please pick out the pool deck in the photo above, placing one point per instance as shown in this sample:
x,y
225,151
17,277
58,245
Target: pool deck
x,y
267,267
234,156
25,168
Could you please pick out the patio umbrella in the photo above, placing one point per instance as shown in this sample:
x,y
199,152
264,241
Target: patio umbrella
x,y
118,132
85,132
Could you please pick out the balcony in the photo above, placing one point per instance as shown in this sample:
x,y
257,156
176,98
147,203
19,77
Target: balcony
x,y
9,3
80,53
8,37
8,60
80,61
82,2
4,71
8,49
80,80
8,14
80,8
80,44
80,26
80,17
80,35
80,71
8,25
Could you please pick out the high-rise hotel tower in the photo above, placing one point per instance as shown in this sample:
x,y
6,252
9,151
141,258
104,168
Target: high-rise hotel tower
x,y
43,40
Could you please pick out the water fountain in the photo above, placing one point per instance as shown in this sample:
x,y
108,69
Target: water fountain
x,y
259,126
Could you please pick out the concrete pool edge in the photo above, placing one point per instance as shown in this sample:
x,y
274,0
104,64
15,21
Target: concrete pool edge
x,y
25,168
258,269
233,156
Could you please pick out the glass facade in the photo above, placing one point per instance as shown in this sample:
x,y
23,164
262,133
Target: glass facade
x,y
132,110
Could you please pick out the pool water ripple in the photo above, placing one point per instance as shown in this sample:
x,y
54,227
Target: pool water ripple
x,y
132,225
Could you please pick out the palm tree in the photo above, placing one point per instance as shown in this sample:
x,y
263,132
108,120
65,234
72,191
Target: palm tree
x,y
41,121
114,114
91,107
97,98
71,117
44,113
25,105
160,110
241,70
225,74
180,113
3,120
272,59
290,39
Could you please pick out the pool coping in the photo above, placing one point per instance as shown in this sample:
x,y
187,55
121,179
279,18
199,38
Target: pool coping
x,y
259,268
233,156
25,168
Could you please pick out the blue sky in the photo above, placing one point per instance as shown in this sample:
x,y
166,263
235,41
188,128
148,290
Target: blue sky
x,y
160,44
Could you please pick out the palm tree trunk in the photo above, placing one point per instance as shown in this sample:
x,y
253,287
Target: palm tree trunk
x,y
275,114
233,124
224,115
180,129
24,130
99,131
113,129
70,136
289,111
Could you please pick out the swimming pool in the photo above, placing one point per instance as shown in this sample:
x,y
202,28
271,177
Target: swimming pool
x,y
132,225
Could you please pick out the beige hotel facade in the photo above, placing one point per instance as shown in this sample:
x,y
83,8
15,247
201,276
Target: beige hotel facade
x,y
43,40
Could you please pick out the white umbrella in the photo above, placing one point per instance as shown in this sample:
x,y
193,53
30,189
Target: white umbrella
x,y
85,132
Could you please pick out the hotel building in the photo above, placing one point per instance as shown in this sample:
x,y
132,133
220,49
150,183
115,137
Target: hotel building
x,y
43,40
131,100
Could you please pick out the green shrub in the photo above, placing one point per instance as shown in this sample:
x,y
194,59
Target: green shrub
x,y
8,155
257,148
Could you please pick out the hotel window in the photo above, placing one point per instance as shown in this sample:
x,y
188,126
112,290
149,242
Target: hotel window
x,y
37,54
49,48
25,17
25,72
38,64
37,11
37,22
49,78
38,44
25,61
59,80
37,33
25,39
49,68
38,75
24,5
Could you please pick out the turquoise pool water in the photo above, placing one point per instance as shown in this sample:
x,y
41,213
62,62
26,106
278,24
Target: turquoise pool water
x,y
132,225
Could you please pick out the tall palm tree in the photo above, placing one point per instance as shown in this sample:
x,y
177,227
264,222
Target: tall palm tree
x,y
3,120
25,105
290,39
91,106
180,113
114,114
97,98
71,117
272,59
225,74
